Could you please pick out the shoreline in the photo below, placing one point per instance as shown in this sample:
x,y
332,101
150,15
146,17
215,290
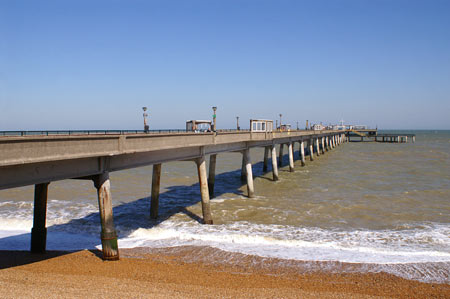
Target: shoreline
x,y
200,272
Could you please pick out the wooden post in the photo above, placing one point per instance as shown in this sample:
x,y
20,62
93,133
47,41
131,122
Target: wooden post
x,y
311,150
108,234
317,147
280,160
156,180
266,158
39,231
212,174
248,166
274,163
302,152
203,182
291,157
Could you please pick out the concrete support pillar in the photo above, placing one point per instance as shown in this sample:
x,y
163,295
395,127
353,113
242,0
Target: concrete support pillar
x,y
317,147
291,157
274,163
398,139
212,174
203,182
362,138
266,158
406,139
280,159
414,139
323,145
311,150
248,168
39,231
243,173
156,180
332,142
302,152
108,235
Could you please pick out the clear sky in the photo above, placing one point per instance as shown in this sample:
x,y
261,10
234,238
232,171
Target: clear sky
x,y
74,64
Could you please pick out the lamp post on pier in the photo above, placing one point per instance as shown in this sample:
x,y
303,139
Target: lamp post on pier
x,y
280,120
146,127
214,118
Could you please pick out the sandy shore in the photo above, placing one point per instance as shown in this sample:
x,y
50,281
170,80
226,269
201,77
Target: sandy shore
x,y
167,273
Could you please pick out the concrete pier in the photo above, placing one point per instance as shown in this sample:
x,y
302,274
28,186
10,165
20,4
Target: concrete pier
x,y
243,171
280,158
323,145
108,235
274,163
39,159
291,157
302,152
203,182
249,171
266,158
39,231
156,180
317,147
212,174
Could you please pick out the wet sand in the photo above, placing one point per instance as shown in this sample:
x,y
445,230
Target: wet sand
x,y
165,273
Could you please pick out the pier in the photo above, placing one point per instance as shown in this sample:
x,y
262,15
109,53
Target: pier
x,y
39,159
373,135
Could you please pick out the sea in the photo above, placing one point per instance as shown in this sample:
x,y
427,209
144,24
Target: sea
x,y
384,205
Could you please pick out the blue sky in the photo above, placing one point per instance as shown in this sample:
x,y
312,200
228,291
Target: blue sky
x,y
94,64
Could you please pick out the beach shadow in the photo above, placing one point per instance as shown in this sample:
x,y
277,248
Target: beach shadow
x,y
15,258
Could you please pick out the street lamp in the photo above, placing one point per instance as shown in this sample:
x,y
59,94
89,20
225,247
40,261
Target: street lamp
x,y
146,127
280,120
214,118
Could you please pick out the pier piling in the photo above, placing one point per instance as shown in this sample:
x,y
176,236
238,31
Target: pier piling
x,y
248,168
266,158
108,235
212,174
302,152
311,150
156,180
203,182
243,171
317,147
323,145
274,163
291,157
280,159
39,231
